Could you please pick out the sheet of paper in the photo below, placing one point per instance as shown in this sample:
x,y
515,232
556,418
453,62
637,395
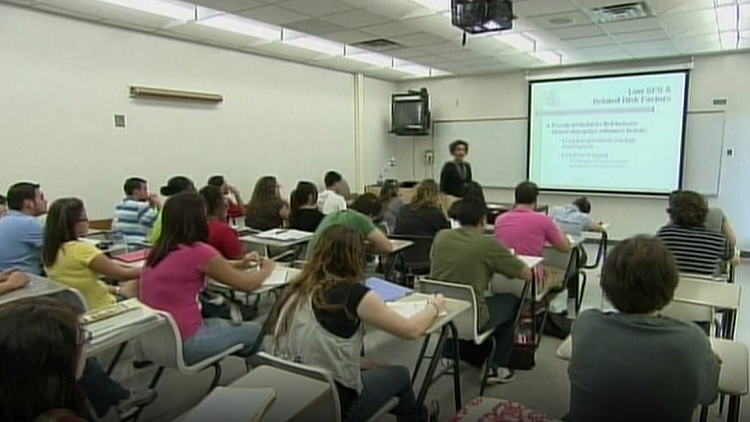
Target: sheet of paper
x,y
408,309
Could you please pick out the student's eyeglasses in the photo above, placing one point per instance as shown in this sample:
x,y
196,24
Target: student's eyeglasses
x,y
85,337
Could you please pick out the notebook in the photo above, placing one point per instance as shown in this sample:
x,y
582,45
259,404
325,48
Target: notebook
x,y
409,309
233,405
284,234
387,291
131,257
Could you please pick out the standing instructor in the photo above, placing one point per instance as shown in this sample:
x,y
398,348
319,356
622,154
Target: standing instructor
x,y
456,173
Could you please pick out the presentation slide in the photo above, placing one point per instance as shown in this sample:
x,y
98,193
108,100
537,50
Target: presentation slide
x,y
621,134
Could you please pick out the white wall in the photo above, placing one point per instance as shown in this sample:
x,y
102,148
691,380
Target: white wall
x,y
61,81
505,95
378,145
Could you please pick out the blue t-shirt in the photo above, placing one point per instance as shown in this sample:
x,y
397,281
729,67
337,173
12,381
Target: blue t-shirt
x,y
21,243
570,219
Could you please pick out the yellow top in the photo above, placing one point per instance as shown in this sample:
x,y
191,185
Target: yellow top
x,y
71,268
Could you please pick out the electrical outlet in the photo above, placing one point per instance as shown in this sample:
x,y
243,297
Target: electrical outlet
x,y
429,157
119,120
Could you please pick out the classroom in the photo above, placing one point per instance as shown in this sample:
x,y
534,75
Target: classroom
x,y
374,210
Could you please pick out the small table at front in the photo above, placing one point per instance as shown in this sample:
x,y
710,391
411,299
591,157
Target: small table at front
x,y
443,324
298,398
733,378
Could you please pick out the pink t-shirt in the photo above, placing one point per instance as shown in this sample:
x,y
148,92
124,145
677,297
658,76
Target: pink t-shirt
x,y
174,284
526,231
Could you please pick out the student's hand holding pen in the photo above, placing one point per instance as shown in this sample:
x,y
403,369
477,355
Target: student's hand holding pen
x,y
438,301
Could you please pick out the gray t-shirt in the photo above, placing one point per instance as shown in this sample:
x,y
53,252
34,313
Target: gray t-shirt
x,y
715,220
627,368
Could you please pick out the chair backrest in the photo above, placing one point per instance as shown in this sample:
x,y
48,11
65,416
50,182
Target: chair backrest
x,y
466,322
556,259
417,255
308,371
163,345
691,311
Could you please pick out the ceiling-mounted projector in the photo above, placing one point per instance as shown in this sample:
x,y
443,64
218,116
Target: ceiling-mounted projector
x,y
480,16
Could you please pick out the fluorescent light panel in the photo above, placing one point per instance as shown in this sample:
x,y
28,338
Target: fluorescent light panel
x,y
549,57
728,17
168,8
320,45
436,5
364,56
243,26
519,41
729,39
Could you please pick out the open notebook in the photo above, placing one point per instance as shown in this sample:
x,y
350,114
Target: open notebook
x,y
233,405
410,308
387,291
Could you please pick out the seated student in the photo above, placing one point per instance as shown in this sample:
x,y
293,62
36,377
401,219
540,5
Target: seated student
x,y
575,218
266,209
364,209
12,280
466,256
175,185
320,321
423,215
304,214
331,199
79,264
136,214
34,385
696,249
235,207
525,230
635,365
392,204
3,206
472,190
220,235
20,232
175,274
41,387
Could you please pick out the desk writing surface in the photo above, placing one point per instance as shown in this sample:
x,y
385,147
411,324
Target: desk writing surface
x,y
400,244
132,327
733,378
295,394
453,309
530,261
716,294
40,286
252,238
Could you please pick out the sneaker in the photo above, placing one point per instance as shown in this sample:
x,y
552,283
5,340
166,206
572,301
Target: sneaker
x,y
500,375
137,399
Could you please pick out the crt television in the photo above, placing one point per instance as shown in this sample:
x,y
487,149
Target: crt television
x,y
410,113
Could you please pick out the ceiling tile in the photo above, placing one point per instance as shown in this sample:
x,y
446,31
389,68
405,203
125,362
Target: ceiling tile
x,y
675,6
445,48
648,46
642,36
349,37
437,25
488,45
417,40
386,73
357,19
576,32
745,16
644,24
273,15
342,63
530,8
698,44
561,20
229,5
316,27
316,7
590,42
394,9
408,53
689,23
279,49
644,54
23,2
600,51
394,29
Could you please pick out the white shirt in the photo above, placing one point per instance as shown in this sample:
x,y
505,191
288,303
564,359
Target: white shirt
x,y
329,201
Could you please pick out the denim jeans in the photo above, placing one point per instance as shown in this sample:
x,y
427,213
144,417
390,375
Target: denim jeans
x,y
380,385
503,310
217,335
102,391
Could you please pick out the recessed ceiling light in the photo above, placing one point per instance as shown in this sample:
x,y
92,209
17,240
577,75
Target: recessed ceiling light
x,y
243,26
168,8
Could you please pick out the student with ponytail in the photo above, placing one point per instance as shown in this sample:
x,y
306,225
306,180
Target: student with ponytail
x,y
305,214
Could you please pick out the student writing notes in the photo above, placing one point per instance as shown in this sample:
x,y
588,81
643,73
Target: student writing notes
x,y
575,218
634,365
78,264
266,209
136,214
175,274
319,321
304,214
331,199
466,256
20,231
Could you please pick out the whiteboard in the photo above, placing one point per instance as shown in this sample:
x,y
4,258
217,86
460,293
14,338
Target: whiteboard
x,y
497,149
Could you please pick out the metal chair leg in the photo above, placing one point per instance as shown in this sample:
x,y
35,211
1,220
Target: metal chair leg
x,y
117,357
421,358
487,366
704,414
217,376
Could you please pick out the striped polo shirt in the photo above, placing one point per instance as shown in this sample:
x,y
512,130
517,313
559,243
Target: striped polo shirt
x,y
134,219
697,250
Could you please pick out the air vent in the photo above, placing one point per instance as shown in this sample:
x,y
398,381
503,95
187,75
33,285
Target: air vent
x,y
378,44
620,12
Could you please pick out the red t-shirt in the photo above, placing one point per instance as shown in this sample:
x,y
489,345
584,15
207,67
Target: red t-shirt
x,y
235,210
224,239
